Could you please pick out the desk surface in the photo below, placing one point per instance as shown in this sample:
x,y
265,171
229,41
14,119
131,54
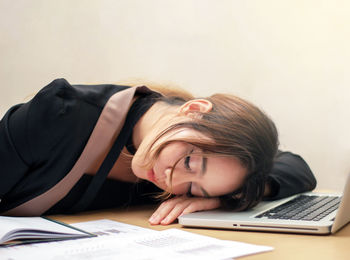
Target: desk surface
x,y
286,246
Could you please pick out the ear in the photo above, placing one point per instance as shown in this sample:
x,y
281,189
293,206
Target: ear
x,y
196,106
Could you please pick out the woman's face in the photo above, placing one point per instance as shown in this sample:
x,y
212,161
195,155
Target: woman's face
x,y
194,173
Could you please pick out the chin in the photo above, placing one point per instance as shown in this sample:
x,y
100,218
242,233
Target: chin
x,y
139,173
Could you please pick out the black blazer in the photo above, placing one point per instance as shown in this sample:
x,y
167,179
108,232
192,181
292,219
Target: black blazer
x,y
41,140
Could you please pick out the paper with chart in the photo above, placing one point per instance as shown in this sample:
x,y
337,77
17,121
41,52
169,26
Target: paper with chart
x,y
116,240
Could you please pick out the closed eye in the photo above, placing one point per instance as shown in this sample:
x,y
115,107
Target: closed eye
x,y
189,193
187,162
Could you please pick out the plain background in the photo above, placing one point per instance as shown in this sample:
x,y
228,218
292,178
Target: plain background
x,y
291,58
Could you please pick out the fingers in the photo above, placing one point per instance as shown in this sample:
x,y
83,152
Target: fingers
x,y
202,204
169,210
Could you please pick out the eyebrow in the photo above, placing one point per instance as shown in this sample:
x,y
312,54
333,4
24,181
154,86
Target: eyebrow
x,y
203,172
204,166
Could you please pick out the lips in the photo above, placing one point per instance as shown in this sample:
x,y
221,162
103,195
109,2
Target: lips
x,y
151,177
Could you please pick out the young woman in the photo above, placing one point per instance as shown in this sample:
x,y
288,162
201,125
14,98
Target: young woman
x,y
86,147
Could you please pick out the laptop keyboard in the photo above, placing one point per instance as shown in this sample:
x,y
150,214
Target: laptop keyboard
x,y
303,207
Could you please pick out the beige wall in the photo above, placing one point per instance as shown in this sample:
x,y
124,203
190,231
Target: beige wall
x,y
292,58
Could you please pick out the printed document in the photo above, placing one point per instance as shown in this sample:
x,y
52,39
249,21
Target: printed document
x,y
117,240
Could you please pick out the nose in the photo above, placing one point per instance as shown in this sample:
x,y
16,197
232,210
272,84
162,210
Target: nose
x,y
178,177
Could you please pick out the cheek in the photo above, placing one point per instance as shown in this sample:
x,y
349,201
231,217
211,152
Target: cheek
x,y
180,189
169,156
225,184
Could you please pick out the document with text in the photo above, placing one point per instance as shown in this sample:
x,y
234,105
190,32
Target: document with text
x,y
117,240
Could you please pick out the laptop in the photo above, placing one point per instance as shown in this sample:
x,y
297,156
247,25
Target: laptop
x,y
310,213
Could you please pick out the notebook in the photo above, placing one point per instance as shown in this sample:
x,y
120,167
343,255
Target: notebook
x,y
310,212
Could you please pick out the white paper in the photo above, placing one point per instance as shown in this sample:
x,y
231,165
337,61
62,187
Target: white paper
x,y
106,227
134,243
186,245
37,223
33,227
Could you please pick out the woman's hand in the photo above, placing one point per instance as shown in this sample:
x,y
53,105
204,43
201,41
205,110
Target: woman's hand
x,y
170,209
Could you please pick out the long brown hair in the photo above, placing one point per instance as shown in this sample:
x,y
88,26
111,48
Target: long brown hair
x,y
239,129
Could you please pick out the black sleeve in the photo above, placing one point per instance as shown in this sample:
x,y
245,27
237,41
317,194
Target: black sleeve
x,y
290,175
13,162
29,133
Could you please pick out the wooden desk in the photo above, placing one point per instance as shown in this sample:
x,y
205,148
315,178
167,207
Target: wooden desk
x,y
286,246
